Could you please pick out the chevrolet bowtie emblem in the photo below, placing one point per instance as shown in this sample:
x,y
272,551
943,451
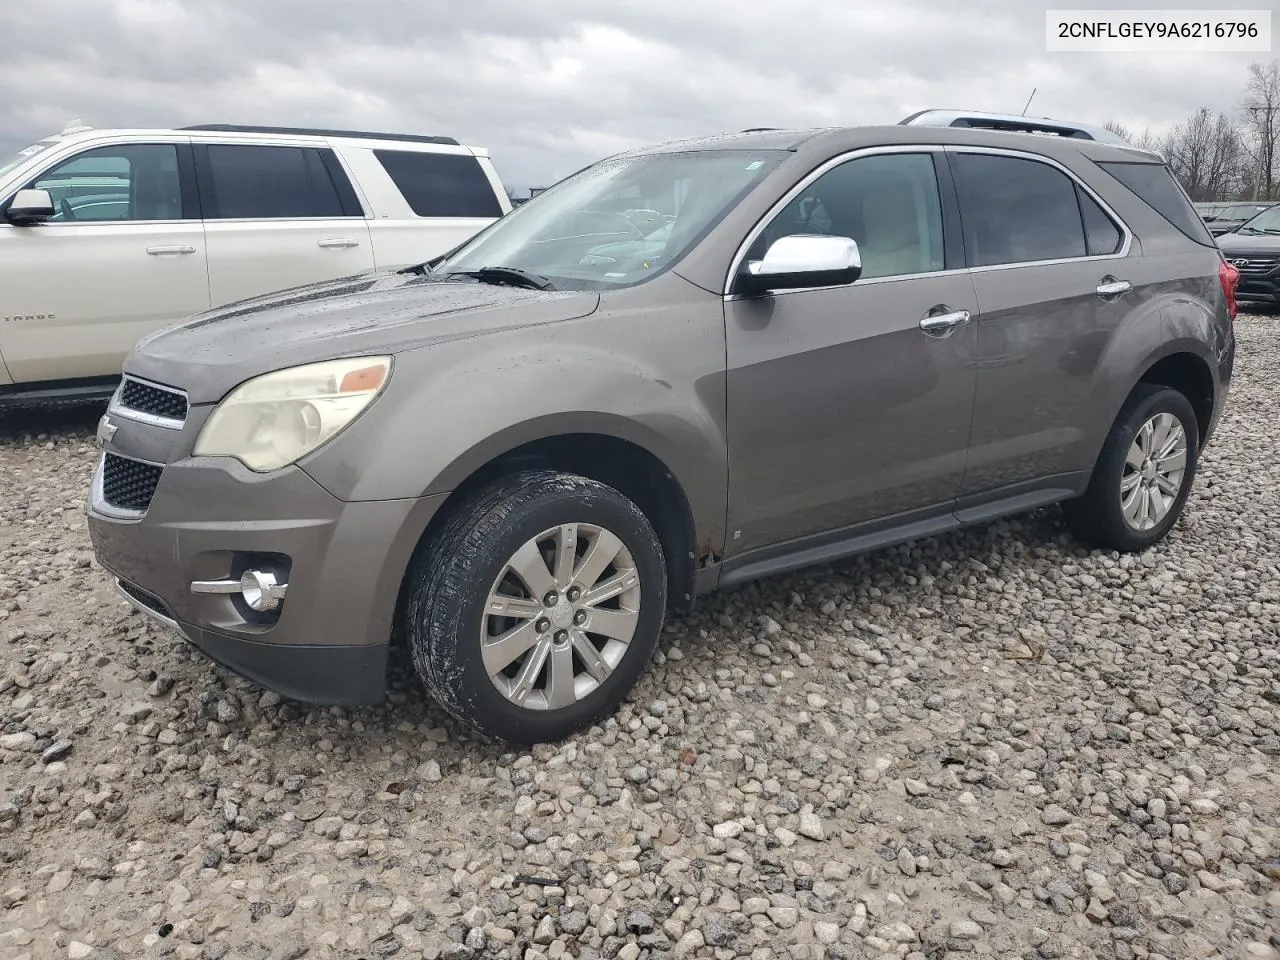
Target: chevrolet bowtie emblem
x,y
106,430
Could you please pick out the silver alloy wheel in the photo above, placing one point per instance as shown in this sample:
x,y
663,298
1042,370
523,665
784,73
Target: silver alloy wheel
x,y
1154,469
560,616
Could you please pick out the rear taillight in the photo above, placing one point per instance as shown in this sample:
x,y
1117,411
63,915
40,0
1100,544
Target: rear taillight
x,y
1229,276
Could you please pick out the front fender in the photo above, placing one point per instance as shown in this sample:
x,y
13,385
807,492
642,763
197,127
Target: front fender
x,y
453,407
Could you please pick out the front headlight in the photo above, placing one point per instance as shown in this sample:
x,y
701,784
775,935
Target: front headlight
x,y
273,420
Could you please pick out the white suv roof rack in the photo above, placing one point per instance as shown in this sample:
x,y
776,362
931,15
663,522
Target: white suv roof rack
x,y
1011,123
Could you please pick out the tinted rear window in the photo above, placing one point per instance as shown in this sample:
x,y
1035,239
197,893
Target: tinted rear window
x,y
1016,210
253,182
441,184
1155,186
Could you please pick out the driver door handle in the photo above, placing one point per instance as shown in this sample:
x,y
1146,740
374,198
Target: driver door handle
x,y
943,324
337,243
170,250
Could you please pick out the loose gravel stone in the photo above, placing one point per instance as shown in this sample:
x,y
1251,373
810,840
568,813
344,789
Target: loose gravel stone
x,y
994,742
811,827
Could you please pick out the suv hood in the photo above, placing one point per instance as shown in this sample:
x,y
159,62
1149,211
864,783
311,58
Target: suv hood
x,y
214,351
1241,244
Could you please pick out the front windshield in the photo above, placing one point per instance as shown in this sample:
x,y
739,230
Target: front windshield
x,y
1268,221
619,221
16,160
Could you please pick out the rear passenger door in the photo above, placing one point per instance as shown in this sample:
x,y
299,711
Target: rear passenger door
x,y
1042,251
278,216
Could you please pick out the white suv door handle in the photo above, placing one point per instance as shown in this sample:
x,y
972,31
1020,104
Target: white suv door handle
x,y
329,244
1110,288
942,324
163,251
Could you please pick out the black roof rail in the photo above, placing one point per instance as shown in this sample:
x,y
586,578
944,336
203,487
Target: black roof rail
x,y
318,132
759,129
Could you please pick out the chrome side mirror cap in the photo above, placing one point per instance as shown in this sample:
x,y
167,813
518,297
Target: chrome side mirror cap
x,y
802,260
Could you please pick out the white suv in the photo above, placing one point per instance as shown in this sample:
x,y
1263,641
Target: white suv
x,y
107,235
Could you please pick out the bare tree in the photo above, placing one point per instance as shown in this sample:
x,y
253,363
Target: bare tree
x,y
1146,140
1261,109
1206,153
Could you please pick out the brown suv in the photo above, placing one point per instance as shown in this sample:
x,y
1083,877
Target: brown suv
x,y
681,368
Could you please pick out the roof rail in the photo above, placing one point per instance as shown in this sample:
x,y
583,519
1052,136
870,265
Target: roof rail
x,y
759,129
1011,123
317,132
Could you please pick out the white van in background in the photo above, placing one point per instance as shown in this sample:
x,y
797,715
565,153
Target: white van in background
x,y
107,235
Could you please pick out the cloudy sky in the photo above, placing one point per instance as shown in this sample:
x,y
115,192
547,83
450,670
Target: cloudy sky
x,y
550,85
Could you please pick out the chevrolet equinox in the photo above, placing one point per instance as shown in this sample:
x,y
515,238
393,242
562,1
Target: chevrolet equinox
x,y
679,369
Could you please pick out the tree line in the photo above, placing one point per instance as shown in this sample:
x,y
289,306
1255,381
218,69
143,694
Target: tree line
x,y
1225,156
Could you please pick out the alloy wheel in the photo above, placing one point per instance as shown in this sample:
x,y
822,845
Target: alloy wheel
x,y
1154,471
560,616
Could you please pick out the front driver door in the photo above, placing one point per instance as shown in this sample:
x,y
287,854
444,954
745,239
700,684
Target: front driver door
x,y
123,255
841,408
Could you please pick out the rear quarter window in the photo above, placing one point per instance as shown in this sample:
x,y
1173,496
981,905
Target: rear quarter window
x,y
441,184
1155,186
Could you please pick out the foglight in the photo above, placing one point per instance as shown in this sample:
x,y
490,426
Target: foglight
x,y
276,419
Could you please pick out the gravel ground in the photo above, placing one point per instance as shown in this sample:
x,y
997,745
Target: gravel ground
x,y
992,743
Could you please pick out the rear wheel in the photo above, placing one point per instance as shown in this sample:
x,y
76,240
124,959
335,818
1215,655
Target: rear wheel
x,y
1144,474
535,608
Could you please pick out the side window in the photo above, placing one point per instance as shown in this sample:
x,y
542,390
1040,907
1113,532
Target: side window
x,y
1155,186
259,182
441,184
120,183
1016,210
888,203
1101,235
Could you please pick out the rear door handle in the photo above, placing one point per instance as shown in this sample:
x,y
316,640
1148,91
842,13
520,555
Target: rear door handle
x,y
943,324
337,243
163,251
1110,288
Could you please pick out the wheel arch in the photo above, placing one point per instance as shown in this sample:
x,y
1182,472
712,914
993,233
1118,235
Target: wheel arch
x,y
621,462
1191,375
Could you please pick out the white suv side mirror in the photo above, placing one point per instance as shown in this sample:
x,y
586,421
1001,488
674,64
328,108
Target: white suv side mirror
x,y
29,207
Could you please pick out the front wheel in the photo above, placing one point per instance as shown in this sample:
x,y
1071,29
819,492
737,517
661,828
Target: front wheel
x,y
1143,476
533,611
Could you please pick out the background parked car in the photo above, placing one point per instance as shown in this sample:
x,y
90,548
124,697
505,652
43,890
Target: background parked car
x,y
106,235
1254,249
1224,217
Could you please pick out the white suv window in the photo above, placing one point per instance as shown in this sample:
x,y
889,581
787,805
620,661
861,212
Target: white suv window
x,y
441,184
261,182
119,183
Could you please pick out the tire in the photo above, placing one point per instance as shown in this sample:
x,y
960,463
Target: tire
x,y
470,564
1099,517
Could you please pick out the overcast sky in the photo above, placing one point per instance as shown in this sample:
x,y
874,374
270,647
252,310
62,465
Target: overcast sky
x,y
550,85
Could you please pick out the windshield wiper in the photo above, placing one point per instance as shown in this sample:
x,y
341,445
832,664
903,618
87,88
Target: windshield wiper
x,y
513,276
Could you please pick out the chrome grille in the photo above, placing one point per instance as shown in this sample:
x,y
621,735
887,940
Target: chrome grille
x,y
151,400
1255,265
128,484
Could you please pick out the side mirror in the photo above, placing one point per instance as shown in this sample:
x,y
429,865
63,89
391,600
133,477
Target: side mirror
x,y
802,260
29,207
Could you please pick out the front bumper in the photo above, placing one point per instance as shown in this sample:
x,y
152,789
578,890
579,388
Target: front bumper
x,y
210,519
